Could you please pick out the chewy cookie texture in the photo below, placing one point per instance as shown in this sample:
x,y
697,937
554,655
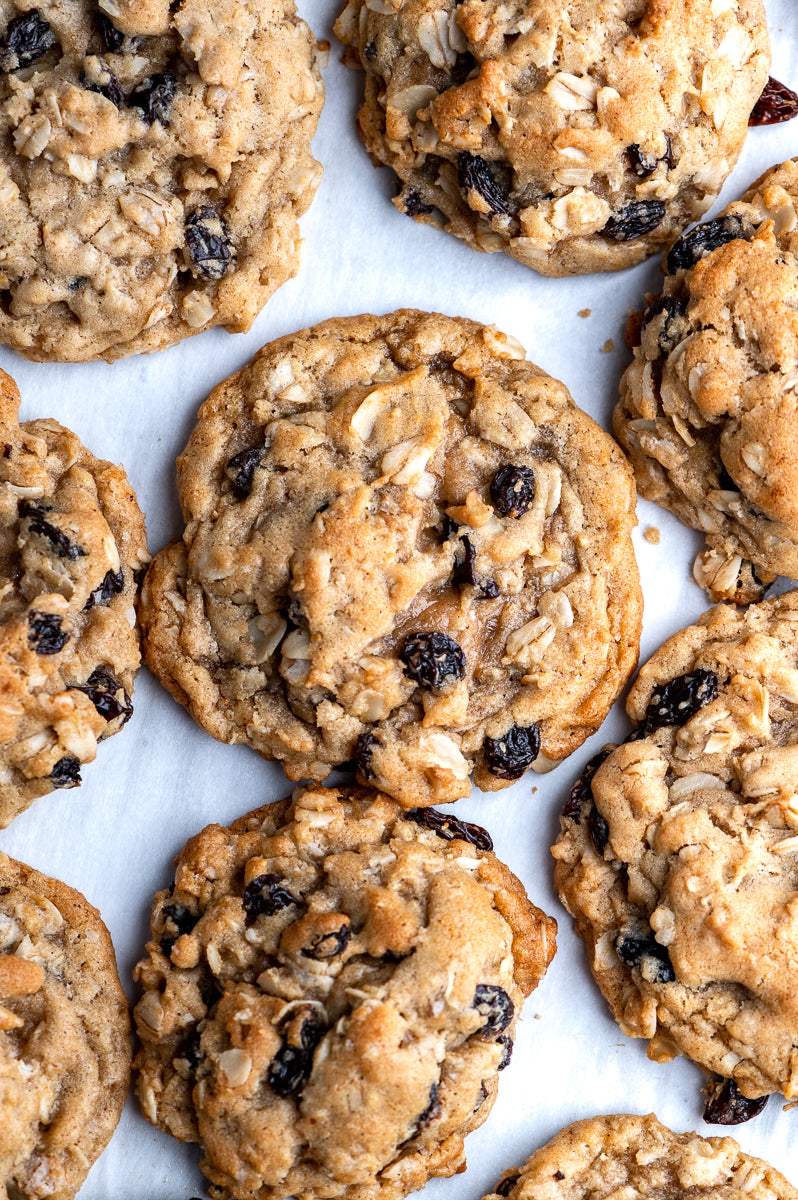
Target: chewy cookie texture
x,y
64,1036
332,987
155,161
577,136
708,407
677,856
71,539
405,545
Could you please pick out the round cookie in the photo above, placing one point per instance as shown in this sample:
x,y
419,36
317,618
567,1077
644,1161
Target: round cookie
x,y
155,161
678,856
64,1035
71,539
332,987
575,136
637,1158
708,411
405,545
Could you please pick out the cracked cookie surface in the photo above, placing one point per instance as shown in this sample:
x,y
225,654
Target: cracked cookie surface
x,y
71,538
638,1158
405,545
678,858
156,160
332,987
709,410
64,1036
576,137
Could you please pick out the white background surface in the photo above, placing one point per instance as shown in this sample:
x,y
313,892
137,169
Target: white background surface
x,y
162,778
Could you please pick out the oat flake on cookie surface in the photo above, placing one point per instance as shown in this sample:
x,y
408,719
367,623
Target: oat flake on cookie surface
x,y
678,857
64,1036
405,545
709,408
331,990
155,161
71,540
576,136
636,1158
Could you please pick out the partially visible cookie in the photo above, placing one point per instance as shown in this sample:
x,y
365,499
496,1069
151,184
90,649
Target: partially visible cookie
x,y
155,160
71,539
678,856
64,1036
332,987
709,411
404,545
637,1158
574,136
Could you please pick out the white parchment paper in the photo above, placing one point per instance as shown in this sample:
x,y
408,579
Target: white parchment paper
x,y
162,778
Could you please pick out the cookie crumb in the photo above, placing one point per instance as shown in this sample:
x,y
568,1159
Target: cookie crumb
x,y
608,346
584,312
651,534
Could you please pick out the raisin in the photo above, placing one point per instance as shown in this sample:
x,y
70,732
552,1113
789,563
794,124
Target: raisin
x,y
646,164
680,699
507,1042
362,755
208,243
370,51
112,584
674,325
464,573
153,97
634,221
266,894
433,660
432,1110
705,238
640,950
27,39
495,1006
450,828
510,755
293,1062
110,88
329,945
582,791
177,920
101,688
491,181
45,634
38,524
728,1106
512,490
414,204
112,37
599,830
66,772
240,469
776,104
506,1186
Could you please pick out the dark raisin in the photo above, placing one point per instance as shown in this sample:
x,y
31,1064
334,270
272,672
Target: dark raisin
x,y
177,920
464,574
112,37
414,204
27,39
109,88
45,634
634,221
639,949
506,1186
680,699
581,792
38,524
370,51
646,164
153,97
558,1175
489,589
432,1110
512,490
448,529
240,469
433,660
329,945
266,894
491,181
208,243
599,829
450,828
293,1062
728,1106
101,688
190,1052
362,755
112,584
66,772
495,1006
776,104
507,1042
702,240
508,756
674,325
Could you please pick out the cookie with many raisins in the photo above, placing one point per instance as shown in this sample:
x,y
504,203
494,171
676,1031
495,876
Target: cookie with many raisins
x,y
71,538
576,137
708,410
332,987
405,546
64,1035
678,856
156,159
637,1158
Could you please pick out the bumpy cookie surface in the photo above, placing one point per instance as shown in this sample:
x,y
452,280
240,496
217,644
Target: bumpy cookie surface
x,y
155,160
71,538
708,411
637,1158
678,858
575,136
404,544
332,986
64,1036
